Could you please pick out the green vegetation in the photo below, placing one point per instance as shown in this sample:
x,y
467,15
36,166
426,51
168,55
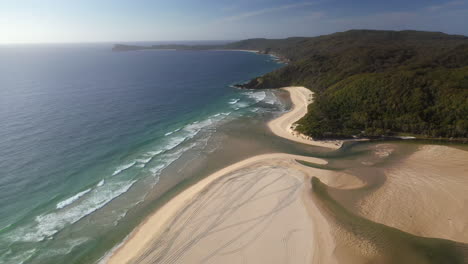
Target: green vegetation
x,y
372,83
430,102
399,246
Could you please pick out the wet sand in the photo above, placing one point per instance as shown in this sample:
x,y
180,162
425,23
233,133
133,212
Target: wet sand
x,y
266,183
235,208
417,215
425,195
273,209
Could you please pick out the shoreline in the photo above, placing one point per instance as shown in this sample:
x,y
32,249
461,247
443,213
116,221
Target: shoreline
x,y
153,225
283,126
186,221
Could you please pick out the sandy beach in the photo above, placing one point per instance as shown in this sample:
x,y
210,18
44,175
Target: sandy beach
x,y
272,194
266,210
435,180
282,126
275,194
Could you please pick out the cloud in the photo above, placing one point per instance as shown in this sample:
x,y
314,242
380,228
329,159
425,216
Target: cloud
x,y
265,11
446,5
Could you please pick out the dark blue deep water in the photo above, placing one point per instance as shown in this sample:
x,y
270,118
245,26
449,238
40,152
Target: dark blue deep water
x,y
80,124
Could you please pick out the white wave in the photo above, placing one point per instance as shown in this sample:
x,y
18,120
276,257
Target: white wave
x,y
188,132
233,101
195,127
240,105
172,132
17,259
257,96
123,167
155,170
100,183
168,159
153,153
255,110
69,245
46,225
70,200
271,99
173,142
144,161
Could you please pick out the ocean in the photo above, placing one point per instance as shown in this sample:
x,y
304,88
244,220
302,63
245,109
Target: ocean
x,y
88,138
94,141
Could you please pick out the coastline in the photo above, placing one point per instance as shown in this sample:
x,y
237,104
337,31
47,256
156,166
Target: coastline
x,y
283,126
155,224
183,227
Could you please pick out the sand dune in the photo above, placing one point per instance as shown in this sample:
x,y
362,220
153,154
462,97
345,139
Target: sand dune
x,y
265,210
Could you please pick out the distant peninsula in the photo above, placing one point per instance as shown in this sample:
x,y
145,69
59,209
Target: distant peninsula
x,y
368,83
124,47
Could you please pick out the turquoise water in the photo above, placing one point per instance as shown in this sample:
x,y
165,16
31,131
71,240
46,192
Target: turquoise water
x,y
83,126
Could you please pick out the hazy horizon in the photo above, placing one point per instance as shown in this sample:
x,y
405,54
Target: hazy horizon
x,y
182,41
85,21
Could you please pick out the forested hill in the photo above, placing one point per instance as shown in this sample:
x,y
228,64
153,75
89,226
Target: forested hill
x,y
372,83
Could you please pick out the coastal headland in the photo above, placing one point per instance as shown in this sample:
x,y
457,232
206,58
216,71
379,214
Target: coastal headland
x,y
367,83
283,208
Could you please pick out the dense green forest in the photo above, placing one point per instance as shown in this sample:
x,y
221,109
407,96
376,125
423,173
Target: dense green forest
x,y
373,83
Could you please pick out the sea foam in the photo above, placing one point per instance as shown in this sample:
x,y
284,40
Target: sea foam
x,y
100,183
72,209
46,225
70,200
123,167
257,96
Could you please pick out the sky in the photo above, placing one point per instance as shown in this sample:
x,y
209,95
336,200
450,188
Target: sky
x,y
63,21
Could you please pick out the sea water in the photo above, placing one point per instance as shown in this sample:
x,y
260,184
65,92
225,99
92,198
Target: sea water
x,y
85,134
93,141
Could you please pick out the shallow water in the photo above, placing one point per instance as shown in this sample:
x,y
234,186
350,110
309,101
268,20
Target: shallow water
x,y
87,132
89,148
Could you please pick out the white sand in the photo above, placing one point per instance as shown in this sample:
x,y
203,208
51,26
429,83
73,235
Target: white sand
x,y
261,210
264,210
290,224
425,195
282,126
